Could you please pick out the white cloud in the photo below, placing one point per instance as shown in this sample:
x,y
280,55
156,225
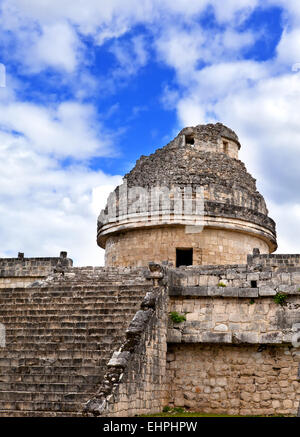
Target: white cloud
x,y
49,32
190,113
181,49
288,50
233,9
212,81
131,56
57,47
69,129
185,50
45,208
265,116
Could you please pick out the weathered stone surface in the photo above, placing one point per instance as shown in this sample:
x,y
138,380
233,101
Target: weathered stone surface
x,y
231,202
233,379
60,336
74,332
213,337
266,290
139,321
119,359
21,271
174,336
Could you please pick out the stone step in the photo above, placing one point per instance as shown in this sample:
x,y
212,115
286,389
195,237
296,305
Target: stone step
x,y
56,378
59,339
14,413
45,354
68,300
81,370
57,288
54,387
43,396
49,309
61,353
63,321
17,362
44,405
94,306
72,294
38,330
50,348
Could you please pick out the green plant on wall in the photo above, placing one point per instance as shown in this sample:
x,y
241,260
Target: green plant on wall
x,y
177,318
280,298
221,284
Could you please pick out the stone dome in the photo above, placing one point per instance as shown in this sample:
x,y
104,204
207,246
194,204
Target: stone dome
x,y
202,157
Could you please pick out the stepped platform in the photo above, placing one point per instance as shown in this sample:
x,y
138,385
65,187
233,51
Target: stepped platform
x,y
60,333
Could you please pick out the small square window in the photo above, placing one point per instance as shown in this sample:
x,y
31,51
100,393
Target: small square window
x,y
184,257
189,139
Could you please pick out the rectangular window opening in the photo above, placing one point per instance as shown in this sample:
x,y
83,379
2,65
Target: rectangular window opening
x,y
184,257
189,139
253,284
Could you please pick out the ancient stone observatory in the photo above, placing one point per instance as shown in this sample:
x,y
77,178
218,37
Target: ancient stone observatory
x,y
190,203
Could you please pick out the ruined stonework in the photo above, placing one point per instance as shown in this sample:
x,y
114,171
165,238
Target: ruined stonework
x,y
59,334
235,380
106,341
136,381
235,217
21,271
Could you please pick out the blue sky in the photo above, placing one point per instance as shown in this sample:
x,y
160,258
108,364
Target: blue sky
x,y
90,87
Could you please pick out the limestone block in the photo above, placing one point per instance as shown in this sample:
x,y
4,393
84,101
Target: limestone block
x,y
190,317
266,290
213,337
247,337
272,337
295,278
248,292
221,328
230,291
174,336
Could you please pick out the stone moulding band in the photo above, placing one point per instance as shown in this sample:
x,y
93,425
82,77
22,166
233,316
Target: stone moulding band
x,y
233,224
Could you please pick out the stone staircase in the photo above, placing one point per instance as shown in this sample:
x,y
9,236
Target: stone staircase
x,y
59,336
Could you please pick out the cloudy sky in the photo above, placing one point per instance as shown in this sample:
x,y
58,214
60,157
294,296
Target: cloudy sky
x,y
92,85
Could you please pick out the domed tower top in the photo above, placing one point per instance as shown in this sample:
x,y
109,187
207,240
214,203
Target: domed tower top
x,y
211,138
200,161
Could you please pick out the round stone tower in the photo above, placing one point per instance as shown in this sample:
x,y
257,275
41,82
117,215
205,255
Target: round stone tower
x,y
190,203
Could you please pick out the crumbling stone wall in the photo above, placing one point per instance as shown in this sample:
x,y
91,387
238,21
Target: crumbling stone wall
x,y
238,350
59,334
234,379
242,319
90,339
20,272
235,216
211,246
135,382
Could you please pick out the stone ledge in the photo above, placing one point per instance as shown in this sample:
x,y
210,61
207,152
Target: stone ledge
x,y
214,291
241,292
276,337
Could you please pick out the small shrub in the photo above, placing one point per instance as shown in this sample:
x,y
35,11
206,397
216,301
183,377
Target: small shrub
x,y
177,318
251,301
173,410
280,298
178,410
221,284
